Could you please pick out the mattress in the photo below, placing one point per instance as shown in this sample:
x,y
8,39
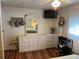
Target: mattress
x,y
73,56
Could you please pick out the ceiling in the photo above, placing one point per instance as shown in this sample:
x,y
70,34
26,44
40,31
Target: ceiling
x,y
34,3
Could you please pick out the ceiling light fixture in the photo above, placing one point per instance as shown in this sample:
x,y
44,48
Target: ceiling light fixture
x,y
56,4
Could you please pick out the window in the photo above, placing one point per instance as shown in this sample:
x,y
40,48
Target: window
x,y
73,27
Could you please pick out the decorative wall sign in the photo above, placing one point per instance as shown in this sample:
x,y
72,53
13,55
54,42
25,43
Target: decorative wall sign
x,y
61,21
16,22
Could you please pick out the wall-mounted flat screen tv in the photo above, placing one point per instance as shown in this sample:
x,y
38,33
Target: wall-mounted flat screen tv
x,y
50,14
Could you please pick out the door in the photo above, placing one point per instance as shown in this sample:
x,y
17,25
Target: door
x,y
33,42
23,43
51,40
1,36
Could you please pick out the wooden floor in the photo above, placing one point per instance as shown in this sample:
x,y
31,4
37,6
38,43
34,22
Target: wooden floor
x,y
42,54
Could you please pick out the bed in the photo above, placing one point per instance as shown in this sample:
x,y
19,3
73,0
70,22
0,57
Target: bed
x,y
73,56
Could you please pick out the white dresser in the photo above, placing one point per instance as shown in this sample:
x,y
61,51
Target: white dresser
x,y
32,42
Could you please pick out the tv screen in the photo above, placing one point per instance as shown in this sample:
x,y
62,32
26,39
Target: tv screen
x,y
50,14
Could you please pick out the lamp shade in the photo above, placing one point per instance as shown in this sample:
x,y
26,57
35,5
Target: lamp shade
x,y
55,4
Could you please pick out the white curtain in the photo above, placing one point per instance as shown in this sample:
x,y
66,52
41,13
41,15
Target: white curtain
x,y
73,32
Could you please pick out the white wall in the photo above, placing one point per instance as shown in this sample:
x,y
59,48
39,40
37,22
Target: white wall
x,y
10,33
69,12
64,12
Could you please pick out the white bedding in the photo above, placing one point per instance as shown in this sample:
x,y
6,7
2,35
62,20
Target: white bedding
x,y
68,57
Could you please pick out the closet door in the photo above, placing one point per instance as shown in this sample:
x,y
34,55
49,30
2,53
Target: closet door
x,y
1,36
42,42
33,42
51,40
37,42
23,44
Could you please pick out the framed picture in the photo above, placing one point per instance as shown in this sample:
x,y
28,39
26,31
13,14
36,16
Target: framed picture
x,y
16,21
